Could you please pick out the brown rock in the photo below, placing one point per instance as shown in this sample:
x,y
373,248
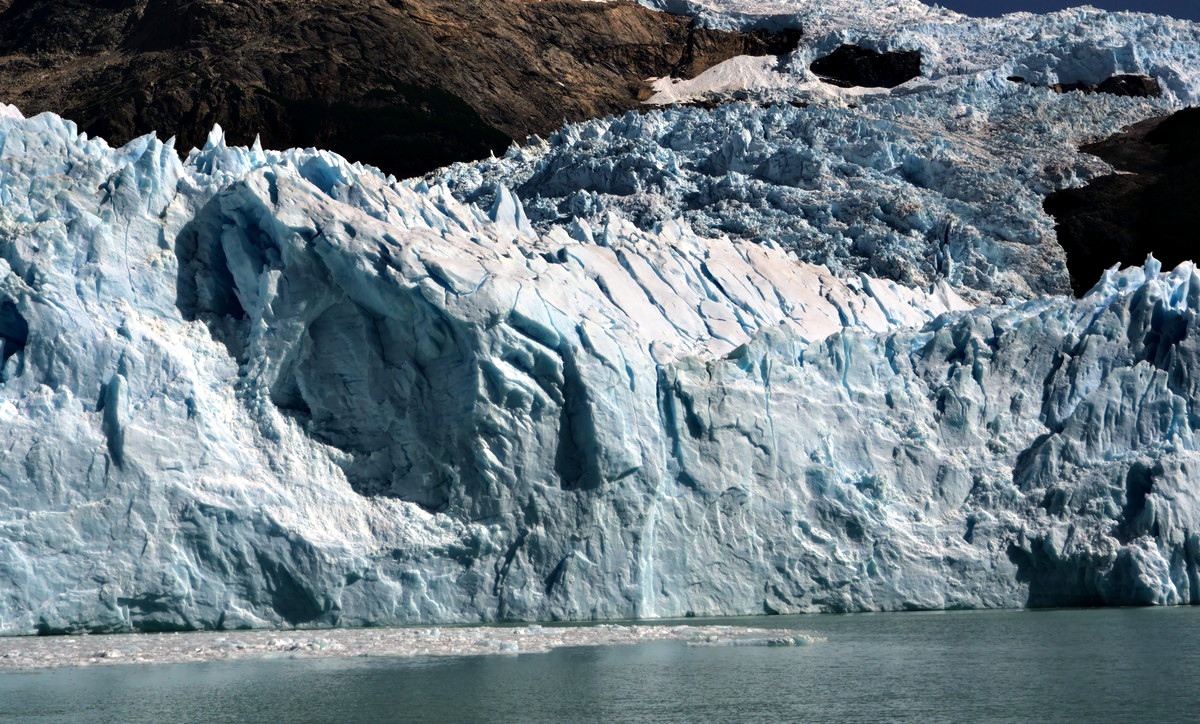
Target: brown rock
x,y
1140,86
408,85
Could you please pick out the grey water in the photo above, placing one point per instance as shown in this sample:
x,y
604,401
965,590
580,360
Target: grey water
x,y
1115,665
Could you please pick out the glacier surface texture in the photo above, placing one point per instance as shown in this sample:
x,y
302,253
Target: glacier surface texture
x,y
766,358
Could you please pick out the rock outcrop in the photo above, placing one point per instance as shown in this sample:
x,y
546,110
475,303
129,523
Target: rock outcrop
x,y
1137,86
407,85
853,66
1148,207
1125,84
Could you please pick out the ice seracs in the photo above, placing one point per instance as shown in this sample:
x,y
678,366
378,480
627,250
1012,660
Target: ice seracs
x,y
262,388
942,177
943,185
813,16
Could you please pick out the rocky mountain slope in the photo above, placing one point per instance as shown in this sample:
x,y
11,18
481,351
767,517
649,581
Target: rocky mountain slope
x,y
407,85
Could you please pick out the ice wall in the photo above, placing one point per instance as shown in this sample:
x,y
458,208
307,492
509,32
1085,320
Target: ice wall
x,y
267,389
236,391
708,362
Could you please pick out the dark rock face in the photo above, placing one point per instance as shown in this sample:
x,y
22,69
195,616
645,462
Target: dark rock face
x,y
776,42
1140,86
851,66
407,85
1151,208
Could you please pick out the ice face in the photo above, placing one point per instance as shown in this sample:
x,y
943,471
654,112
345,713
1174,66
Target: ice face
x,y
264,388
810,15
235,388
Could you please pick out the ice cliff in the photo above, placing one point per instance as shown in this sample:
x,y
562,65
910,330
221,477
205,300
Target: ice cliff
x,y
263,388
258,388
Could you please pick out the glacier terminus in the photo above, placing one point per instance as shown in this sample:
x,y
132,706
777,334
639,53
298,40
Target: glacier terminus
x,y
811,350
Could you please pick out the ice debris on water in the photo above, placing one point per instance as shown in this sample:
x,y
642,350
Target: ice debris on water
x,y
56,652
776,641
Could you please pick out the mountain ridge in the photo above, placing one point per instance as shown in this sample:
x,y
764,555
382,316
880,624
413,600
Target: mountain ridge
x,y
407,85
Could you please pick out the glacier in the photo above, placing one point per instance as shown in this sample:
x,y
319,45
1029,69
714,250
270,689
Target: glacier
x,y
768,358
260,388
941,178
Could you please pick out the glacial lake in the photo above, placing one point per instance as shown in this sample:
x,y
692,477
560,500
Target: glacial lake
x,y
1115,665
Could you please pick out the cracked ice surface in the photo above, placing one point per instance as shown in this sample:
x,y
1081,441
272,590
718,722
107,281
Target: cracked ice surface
x,y
939,179
900,190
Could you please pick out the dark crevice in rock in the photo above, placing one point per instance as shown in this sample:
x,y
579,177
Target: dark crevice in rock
x,y
205,288
290,597
852,66
111,393
148,603
1147,208
1138,86
1135,520
505,565
1055,582
575,459
711,101
287,396
705,48
14,330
